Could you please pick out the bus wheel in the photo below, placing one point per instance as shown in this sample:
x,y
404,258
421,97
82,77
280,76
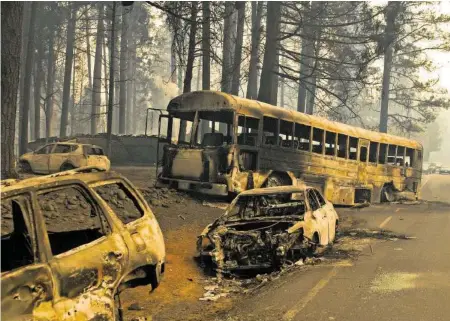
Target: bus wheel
x,y
387,194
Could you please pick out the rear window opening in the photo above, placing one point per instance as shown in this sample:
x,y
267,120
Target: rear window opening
x,y
92,151
121,201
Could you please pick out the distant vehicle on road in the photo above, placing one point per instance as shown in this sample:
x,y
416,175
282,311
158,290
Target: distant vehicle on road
x,y
55,157
71,242
444,170
264,227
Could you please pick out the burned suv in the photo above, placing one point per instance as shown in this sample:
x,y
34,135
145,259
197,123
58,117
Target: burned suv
x,y
264,227
71,242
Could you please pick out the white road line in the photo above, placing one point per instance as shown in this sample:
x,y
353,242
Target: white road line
x,y
291,313
385,221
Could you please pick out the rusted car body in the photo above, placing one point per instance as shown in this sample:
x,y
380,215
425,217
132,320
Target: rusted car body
x,y
55,157
226,144
264,227
71,242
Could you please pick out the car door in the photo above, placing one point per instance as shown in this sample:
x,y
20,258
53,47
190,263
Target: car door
x,y
143,230
58,156
88,255
27,280
329,215
319,215
40,160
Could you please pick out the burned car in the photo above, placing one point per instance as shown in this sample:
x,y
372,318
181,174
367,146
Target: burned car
x,y
55,157
264,227
71,242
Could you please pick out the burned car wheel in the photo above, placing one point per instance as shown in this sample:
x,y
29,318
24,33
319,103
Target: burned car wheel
x,y
313,248
25,167
66,167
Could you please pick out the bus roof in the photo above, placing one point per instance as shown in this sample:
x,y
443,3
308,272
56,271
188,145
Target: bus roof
x,y
217,101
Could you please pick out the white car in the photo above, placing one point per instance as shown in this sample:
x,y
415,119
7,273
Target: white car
x,y
55,157
264,227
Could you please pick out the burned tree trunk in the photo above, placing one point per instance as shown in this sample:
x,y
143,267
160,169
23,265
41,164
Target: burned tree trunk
x,y
123,71
206,46
267,90
240,5
50,86
227,57
68,72
97,81
12,13
37,91
190,61
252,85
25,106
392,9
88,49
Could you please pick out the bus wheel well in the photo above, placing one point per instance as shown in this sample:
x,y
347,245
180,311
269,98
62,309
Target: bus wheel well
x,y
387,193
278,179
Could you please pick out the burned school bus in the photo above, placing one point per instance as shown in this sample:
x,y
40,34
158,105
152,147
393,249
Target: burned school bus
x,y
220,144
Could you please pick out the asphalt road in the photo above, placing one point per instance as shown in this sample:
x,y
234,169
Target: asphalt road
x,y
398,279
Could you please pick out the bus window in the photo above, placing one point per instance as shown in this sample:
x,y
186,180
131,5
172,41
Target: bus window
x,y
317,143
363,154
330,143
303,133
382,154
247,130
353,148
373,152
270,130
391,154
400,161
342,146
286,133
409,158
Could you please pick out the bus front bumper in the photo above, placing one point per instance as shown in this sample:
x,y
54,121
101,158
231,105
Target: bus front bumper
x,y
197,186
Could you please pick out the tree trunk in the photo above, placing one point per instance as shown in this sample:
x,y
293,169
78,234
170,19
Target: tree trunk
x,y
68,72
38,78
389,42
252,85
97,81
72,99
227,57
116,75
190,61
50,85
88,49
240,5
130,82
123,71
206,46
267,91
25,30
173,61
109,122
12,13
25,107
311,96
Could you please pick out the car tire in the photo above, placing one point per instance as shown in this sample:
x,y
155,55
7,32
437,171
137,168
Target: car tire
x,y
313,248
66,167
155,277
25,167
118,314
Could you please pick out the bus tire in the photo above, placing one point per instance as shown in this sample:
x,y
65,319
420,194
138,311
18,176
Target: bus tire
x,y
386,194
